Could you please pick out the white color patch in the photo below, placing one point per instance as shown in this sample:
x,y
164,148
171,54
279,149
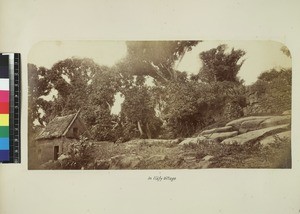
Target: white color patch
x,y
4,84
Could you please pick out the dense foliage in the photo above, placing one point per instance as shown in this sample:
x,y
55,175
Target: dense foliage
x,y
218,65
273,90
174,105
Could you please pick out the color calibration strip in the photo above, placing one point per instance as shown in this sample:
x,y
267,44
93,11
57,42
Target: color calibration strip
x,y
4,108
9,108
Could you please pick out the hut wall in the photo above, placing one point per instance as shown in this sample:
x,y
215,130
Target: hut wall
x,y
45,148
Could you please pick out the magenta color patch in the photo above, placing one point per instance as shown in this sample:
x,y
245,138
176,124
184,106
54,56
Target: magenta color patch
x,y
4,96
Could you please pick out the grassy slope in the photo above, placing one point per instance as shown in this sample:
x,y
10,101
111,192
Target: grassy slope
x,y
276,155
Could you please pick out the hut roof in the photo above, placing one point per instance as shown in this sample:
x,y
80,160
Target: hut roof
x,y
58,127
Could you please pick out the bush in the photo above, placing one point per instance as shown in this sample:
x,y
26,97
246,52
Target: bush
x,y
273,91
80,154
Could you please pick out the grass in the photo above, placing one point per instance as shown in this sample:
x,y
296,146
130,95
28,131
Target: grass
x,y
160,154
251,155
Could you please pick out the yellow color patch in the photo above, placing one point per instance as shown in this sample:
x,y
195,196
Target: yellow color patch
x,y
4,119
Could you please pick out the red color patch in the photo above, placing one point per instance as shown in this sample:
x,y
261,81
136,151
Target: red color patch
x,y
4,108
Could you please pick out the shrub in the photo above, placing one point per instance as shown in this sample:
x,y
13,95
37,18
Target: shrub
x,y
80,154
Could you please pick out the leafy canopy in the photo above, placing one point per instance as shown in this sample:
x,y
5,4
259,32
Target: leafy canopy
x,y
219,65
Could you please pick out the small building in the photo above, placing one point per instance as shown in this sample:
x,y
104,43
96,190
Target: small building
x,y
56,137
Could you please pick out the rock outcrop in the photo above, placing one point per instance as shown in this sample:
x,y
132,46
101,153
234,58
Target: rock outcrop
x,y
246,129
271,139
277,120
254,129
217,130
254,136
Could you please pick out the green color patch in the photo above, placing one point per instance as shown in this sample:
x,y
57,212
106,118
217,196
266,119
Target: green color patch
x,y
4,131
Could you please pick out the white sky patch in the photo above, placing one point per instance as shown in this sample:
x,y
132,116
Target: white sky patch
x,y
41,111
66,78
102,52
116,108
51,96
149,81
36,122
260,56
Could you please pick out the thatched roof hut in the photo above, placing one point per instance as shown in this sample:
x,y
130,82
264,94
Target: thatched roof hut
x,y
70,126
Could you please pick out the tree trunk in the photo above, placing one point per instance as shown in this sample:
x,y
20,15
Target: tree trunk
x,y
140,128
148,131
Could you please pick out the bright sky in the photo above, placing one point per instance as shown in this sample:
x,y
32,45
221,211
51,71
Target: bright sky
x,y
102,52
260,56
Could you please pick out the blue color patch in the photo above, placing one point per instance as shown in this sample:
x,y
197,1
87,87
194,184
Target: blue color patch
x,y
4,144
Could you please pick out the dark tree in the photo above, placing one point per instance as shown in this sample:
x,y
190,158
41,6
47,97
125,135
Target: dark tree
x,y
286,51
156,59
138,114
219,65
38,86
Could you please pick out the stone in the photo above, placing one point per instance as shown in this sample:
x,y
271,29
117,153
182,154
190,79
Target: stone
x,y
253,99
223,135
195,140
238,122
288,112
253,136
151,142
217,130
269,140
125,162
250,125
190,159
205,162
62,157
156,158
102,164
207,157
276,120
175,141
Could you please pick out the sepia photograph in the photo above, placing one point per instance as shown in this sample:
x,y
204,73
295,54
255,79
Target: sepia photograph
x,y
186,104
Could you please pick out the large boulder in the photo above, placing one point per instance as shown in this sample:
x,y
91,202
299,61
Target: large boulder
x,y
271,139
221,136
253,136
217,130
276,120
250,125
237,123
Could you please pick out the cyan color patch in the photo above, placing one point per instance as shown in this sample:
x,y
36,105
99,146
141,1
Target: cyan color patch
x,y
4,143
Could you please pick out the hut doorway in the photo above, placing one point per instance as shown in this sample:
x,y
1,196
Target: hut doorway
x,y
56,150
